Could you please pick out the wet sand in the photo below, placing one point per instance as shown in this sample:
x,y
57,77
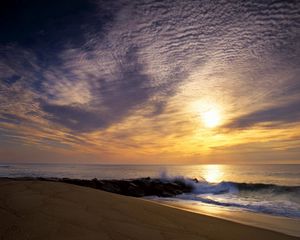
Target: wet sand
x,y
51,210
289,226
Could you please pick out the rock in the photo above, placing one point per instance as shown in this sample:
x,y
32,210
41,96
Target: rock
x,y
131,187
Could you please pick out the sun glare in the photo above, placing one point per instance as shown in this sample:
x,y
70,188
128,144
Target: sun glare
x,y
213,173
211,118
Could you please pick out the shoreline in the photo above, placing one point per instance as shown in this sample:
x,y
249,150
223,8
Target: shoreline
x,y
289,226
55,210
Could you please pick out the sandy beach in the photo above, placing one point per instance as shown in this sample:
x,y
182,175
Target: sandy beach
x,y
51,210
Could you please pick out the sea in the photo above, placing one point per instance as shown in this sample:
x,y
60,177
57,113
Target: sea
x,y
267,189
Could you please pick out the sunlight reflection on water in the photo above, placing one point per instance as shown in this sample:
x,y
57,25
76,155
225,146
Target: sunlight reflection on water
x,y
213,173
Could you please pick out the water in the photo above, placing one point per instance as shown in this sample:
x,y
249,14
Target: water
x,y
270,189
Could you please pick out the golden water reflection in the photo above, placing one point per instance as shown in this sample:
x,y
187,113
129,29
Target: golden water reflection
x,y
213,173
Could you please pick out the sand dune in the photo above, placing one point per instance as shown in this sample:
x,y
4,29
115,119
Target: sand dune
x,y
50,210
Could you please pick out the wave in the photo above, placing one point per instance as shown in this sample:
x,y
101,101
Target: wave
x,y
231,187
263,187
202,186
281,208
257,197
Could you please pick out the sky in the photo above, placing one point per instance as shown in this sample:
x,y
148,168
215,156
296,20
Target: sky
x,y
149,81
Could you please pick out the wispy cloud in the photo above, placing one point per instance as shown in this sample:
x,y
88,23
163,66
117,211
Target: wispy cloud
x,y
130,69
275,115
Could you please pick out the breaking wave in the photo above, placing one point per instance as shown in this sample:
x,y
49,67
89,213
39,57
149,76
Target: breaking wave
x,y
257,197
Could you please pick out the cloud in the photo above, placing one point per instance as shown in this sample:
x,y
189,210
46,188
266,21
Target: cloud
x,y
113,99
74,118
273,116
66,91
80,67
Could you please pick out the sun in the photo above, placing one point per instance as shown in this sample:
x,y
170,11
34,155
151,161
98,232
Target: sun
x,y
209,112
211,118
